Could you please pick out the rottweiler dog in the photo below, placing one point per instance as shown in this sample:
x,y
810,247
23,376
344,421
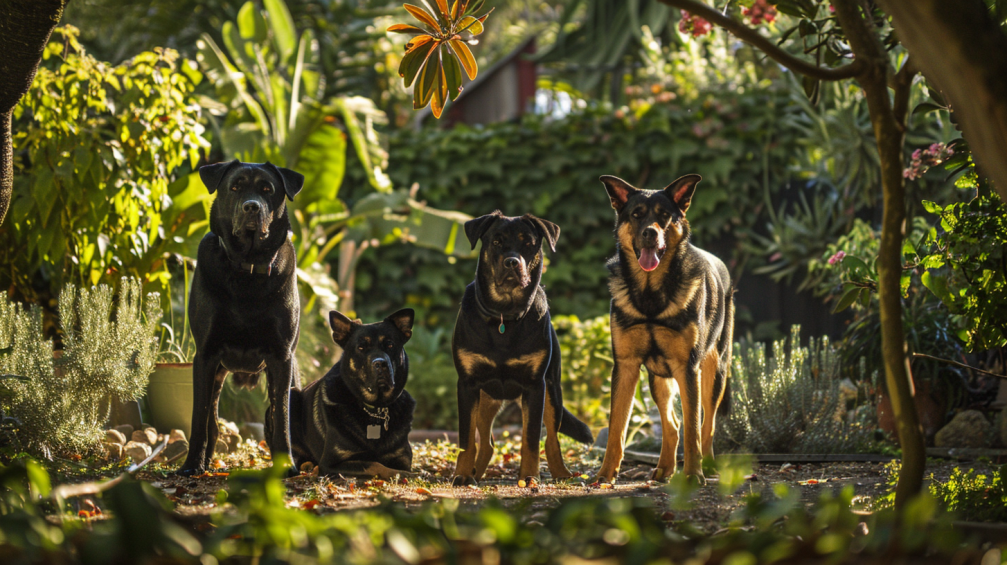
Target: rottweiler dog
x,y
673,312
243,304
505,348
356,419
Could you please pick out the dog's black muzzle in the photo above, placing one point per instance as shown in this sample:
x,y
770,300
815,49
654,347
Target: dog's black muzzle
x,y
384,375
514,270
251,215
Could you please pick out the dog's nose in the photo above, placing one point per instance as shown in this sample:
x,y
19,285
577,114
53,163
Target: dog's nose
x,y
380,364
512,262
251,207
649,233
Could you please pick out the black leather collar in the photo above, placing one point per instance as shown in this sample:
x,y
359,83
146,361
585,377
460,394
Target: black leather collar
x,y
490,315
250,268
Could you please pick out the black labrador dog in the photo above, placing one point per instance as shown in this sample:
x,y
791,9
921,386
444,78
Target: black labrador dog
x,y
505,348
356,419
243,305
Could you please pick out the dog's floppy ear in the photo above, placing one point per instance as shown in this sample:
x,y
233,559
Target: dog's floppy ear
x,y
292,180
476,227
342,327
213,175
546,229
619,191
403,320
681,190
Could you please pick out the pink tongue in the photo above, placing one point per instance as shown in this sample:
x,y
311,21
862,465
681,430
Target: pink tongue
x,y
648,259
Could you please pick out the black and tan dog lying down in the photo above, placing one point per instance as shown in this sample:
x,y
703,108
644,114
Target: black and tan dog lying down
x,y
355,421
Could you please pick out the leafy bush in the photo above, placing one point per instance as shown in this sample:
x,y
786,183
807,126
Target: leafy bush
x,y
432,379
795,402
551,168
60,404
972,245
973,496
100,147
253,521
586,347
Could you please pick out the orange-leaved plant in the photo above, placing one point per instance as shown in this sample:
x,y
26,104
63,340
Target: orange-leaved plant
x,y
436,55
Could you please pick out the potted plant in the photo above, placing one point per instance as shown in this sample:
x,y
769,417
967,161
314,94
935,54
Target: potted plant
x,y
168,402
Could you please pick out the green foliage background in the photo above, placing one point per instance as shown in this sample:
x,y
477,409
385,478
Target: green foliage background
x,y
738,142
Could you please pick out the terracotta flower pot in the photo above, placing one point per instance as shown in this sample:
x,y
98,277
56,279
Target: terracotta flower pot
x,y
169,397
931,406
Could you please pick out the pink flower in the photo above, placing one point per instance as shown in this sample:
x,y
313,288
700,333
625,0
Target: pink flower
x,y
837,257
917,154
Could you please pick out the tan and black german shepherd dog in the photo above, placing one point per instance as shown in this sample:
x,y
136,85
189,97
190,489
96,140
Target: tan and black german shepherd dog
x,y
672,312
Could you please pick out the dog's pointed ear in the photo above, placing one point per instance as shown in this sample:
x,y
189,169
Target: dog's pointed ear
x,y
342,327
213,175
292,181
476,227
403,320
681,191
619,191
546,230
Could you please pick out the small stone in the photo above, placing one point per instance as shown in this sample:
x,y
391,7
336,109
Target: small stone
x,y
147,435
175,450
115,436
126,430
176,435
227,428
253,430
137,451
160,438
113,451
148,427
967,429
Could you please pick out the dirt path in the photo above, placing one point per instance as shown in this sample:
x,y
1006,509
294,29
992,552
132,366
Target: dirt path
x,y
196,498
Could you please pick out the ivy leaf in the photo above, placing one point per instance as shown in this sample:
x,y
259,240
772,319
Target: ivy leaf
x,y
926,108
938,285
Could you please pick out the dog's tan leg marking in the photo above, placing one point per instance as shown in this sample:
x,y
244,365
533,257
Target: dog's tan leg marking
x,y
553,453
466,459
486,412
710,404
529,453
664,389
470,360
677,348
628,346
532,360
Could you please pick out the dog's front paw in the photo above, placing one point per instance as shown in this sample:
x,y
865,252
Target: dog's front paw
x,y
190,471
463,481
697,478
661,475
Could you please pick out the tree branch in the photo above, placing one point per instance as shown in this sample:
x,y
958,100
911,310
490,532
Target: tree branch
x,y
752,37
957,364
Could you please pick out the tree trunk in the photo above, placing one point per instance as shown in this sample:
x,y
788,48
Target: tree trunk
x,y
888,122
963,51
25,26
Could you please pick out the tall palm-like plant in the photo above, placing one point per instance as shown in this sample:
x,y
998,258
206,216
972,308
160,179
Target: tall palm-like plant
x,y
272,107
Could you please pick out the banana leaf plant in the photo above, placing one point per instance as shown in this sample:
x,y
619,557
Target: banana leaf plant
x,y
439,50
272,107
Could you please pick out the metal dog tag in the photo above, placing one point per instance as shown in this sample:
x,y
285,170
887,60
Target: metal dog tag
x,y
373,432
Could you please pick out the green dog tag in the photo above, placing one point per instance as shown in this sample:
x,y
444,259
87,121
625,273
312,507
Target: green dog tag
x,y
373,432
502,327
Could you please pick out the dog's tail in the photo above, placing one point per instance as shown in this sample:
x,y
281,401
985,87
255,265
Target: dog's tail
x,y
573,428
245,380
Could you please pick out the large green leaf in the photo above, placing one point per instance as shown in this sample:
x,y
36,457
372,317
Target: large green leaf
x,y
322,161
282,26
364,136
215,58
251,24
394,216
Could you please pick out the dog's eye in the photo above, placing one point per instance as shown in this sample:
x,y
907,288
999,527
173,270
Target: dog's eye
x,y
267,189
388,345
496,243
234,189
361,347
638,213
